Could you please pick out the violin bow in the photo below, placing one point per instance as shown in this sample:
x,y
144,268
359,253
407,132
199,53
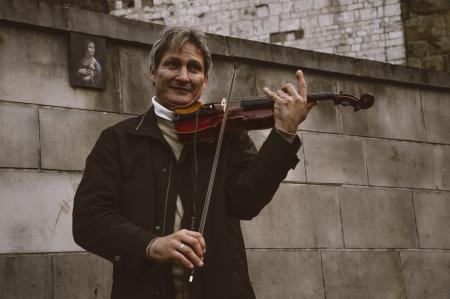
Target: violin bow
x,y
225,103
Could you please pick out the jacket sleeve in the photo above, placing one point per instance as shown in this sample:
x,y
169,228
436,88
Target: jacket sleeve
x,y
254,177
97,224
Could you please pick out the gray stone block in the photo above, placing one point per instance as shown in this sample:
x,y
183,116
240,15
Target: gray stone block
x,y
433,218
299,216
38,209
334,159
286,274
444,165
68,135
26,276
40,61
220,79
362,274
377,218
137,88
82,275
436,108
19,136
426,274
294,175
402,164
382,119
248,49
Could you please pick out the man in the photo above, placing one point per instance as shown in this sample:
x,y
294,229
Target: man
x,y
142,193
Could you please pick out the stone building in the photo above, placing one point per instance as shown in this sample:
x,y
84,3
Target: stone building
x,y
413,32
357,28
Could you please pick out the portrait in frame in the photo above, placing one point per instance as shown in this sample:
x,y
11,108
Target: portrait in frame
x,y
87,60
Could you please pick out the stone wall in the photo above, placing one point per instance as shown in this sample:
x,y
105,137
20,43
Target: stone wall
x,y
364,215
427,33
357,28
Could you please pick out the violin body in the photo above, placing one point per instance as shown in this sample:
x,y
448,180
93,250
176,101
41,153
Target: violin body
x,y
204,121
204,125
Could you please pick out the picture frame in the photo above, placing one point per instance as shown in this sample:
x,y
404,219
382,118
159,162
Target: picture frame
x,y
87,61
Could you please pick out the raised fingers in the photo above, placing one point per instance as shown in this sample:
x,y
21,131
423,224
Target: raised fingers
x,y
301,84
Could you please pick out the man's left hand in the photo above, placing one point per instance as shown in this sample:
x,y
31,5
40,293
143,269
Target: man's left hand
x,y
290,105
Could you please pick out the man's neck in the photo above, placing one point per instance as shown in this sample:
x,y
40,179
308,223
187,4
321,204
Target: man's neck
x,y
162,111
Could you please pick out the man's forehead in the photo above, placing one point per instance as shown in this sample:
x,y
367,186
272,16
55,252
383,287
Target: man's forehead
x,y
188,47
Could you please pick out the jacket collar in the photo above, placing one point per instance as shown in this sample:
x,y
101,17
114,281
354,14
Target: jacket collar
x,y
146,126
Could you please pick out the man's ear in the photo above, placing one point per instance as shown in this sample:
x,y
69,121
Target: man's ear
x,y
153,75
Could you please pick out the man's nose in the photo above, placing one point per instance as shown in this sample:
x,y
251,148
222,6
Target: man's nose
x,y
183,74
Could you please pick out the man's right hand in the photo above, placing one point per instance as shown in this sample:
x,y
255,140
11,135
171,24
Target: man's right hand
x,y
184,247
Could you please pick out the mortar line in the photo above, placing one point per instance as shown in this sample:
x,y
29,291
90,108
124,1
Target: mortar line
x,y
39,149
362,186
366,161
118,69
340,216
422,114
415,219
323,275
402,276
53,276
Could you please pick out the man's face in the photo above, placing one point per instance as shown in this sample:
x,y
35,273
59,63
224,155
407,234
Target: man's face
x,y
180,77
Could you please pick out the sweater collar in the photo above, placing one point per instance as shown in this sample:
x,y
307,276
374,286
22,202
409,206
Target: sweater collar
x,y
162,111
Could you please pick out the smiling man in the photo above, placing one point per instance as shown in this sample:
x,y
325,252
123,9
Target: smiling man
x,y
142,193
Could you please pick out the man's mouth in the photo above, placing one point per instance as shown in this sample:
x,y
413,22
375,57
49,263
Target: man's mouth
x,y
184,89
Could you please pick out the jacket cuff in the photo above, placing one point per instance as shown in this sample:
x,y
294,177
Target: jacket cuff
x,y
279,153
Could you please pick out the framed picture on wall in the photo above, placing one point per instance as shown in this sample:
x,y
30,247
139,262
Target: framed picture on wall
x,y
87,61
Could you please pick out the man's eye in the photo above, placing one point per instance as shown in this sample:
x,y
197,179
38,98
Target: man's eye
x,y
195,68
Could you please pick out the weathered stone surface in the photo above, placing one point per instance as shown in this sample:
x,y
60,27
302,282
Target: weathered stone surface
x,y
444,165
40,62
426,273
334,159
248,49
429,6
402,164
382,119
26,276
286,274
39,207
82,275
299,216
220,81
136,86
436,108
377,218
433,217
74,136
362,274
18,149
294,175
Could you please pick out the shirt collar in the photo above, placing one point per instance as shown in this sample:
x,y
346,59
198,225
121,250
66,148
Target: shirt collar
x,y
162,111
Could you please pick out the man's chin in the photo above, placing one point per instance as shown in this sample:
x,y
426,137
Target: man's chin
x,y
182,103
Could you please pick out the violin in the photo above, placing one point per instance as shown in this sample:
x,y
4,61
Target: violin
x,y
201,122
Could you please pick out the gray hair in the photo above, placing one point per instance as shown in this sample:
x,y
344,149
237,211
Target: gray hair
x,y
176,37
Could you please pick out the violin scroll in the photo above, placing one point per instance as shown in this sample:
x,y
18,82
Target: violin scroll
x,y
364,102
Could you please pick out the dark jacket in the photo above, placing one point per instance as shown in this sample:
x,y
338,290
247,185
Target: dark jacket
x,y
128,195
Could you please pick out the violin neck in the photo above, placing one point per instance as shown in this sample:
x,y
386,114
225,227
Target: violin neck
x,y
265,102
